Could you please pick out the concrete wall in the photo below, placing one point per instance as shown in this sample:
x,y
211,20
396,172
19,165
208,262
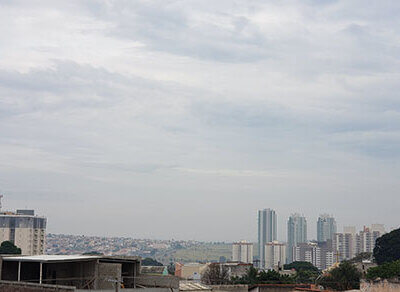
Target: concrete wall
x,y
108,273
30,287
230,288
383,286
158,281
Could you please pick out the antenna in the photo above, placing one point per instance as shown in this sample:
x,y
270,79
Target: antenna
x,y
1,197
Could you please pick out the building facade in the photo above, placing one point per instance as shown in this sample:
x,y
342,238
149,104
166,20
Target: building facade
x,y
326,228
25,230
297,233
242,251
319,254
348,244
275,255
267,232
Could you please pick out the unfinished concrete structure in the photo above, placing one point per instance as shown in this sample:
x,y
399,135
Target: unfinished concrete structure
x,y
82,272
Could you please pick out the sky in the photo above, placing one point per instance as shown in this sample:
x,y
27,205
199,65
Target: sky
x,y
175,119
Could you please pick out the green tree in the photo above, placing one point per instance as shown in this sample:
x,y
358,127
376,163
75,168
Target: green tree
x,y
301,266
7,247
306,276
385,271
254,276
171,268
151,262
344,277
387,247
360,257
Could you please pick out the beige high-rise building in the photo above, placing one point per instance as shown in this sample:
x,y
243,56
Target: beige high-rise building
x,y
275,255
242,251
25,230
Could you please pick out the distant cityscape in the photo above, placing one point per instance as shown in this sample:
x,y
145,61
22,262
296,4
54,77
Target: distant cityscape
x,y
27,231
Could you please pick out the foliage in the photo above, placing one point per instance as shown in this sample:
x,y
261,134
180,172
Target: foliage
x,y
301,266
387,247
306,276
360,257
254,276
344,277
215,274
305,272
7,247
150,262
171,268
385,271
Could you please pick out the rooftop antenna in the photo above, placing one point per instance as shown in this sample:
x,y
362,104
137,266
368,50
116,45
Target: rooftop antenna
x,y
1,197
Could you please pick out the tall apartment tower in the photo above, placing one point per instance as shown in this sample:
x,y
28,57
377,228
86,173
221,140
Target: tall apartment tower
x,y
266,232
368,236
297,233
242,251
326,228
275,255
25,230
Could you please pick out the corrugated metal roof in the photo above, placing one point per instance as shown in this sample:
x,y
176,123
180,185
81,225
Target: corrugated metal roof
x,y
50,258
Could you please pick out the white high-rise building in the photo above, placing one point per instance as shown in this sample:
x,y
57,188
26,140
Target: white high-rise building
x,y
297,233
326,228
275,255
368,236
319,254
348,244
25,230
266,232
242,251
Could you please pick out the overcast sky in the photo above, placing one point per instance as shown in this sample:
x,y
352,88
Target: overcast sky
x,y
180,119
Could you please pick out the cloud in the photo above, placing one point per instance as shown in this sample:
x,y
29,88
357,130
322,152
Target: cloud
x,y
161,103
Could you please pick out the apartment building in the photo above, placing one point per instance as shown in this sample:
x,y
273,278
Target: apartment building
x,y
242,251
275,255
25,230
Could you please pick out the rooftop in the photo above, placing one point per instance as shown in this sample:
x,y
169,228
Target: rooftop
x,y
63,258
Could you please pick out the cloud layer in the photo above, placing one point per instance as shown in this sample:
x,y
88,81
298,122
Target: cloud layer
x,y
196,112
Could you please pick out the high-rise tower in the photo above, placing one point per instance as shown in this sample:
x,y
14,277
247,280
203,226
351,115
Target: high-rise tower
x,y
266,232
297,233
326,228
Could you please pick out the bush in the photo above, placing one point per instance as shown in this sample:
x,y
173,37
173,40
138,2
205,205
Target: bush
x,y
386,271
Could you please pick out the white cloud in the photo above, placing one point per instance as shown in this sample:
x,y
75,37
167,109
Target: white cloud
x,y
169,101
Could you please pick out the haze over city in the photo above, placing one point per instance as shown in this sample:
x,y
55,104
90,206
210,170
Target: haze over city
x,y
180,120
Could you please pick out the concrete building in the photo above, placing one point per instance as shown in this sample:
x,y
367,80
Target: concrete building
x,y
275,255
367,238
326,228
267,232
82,272
319,254
345,246
349,244
297,233
242,251
190,271
25,230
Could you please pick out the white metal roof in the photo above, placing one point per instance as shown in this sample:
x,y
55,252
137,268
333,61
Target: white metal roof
x,y
50,258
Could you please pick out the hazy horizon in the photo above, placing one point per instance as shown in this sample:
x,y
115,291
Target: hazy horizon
x,y
177,119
